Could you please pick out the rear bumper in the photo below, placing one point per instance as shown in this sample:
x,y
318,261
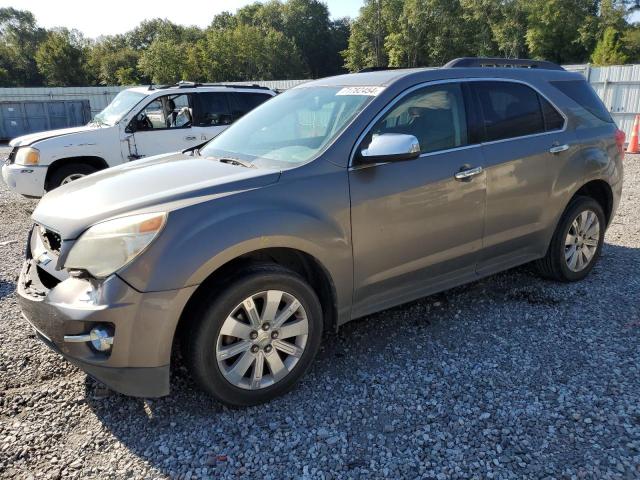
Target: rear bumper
x,y
25,180
143,325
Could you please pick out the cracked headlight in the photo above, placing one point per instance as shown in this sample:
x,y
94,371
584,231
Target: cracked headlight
x,y
27,156
108,246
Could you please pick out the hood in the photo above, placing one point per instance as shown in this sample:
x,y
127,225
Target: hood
x,y
36,137
165,182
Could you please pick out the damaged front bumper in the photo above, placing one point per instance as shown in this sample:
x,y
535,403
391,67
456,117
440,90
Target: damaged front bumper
x,y
143,324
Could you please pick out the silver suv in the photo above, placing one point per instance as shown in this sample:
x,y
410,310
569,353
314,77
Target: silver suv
x,y
339,198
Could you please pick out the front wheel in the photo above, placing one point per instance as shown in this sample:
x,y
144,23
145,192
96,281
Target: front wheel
x,y
256,338
576,243
68,173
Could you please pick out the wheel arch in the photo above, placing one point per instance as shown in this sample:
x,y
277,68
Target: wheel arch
x,y
98,163
303,263
601,192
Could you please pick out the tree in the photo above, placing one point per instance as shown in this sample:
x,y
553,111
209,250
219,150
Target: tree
x,y
368,33
141,37
609,50
553,31
631,44
61,58
307,23
164,62
111,61
246,52
20,37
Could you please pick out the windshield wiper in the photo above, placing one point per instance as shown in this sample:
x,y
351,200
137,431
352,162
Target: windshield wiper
x,y
237,161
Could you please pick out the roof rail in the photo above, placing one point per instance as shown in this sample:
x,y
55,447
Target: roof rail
x,y
467,62
377,69
185,84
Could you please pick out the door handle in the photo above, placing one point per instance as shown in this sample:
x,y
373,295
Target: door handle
x,y
468,173
559,148
190,137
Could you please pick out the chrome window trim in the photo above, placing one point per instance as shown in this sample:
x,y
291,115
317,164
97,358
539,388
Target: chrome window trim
x,y
456,80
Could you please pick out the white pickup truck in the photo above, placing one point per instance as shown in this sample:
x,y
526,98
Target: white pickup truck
x,y
139,122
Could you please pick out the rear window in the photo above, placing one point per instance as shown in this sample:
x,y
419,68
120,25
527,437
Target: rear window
x,y
581,92
509,110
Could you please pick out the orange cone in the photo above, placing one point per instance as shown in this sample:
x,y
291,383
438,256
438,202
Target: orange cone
x,y
633,140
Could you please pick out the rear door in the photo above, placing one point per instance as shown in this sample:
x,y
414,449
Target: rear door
x,y
524,144
243,102
212,114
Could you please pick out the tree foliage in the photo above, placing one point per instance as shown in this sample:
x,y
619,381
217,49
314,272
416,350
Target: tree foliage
x,y
279,39
61,58
430,32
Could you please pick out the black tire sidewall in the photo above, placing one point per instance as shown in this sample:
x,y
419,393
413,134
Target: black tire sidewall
x,y
578,206
203,357
65,170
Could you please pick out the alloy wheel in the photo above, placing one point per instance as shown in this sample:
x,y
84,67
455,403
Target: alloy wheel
x,y
581,242
71,178
262,339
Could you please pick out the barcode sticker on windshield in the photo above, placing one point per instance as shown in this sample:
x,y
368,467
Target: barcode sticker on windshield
x,y
370,91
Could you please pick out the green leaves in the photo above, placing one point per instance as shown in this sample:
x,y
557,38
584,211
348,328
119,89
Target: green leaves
x,y
430,32
280,39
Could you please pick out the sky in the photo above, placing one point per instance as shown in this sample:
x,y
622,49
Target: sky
x,y
95,18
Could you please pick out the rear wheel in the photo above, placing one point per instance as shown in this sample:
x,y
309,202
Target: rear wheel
x,y
576,243
256,338
68,173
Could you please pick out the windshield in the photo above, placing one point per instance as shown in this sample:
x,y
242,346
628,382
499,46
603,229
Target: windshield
x,y
290,129
119,107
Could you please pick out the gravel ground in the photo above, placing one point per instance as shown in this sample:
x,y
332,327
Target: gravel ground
x,y
509,377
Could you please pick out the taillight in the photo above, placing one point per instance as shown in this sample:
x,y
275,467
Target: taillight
x,y
620,138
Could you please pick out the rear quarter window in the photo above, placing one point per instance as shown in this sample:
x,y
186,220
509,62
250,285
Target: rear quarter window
x,y
581,92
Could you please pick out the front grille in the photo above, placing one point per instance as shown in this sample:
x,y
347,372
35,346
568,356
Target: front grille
x,y
12,156
51,240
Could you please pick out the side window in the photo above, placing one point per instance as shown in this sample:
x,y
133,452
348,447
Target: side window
x,y
434,115
168,111
508,110
581,92
242,103
552,118
212,109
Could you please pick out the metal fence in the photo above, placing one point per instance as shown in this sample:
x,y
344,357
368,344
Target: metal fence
x,y
618,86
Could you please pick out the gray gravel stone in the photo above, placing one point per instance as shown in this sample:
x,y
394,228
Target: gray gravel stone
x,y
509,377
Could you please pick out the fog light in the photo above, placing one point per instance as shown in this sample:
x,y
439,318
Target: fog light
x,y
101,339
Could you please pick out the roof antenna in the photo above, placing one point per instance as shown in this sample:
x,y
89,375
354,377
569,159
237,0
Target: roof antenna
x,y
151,86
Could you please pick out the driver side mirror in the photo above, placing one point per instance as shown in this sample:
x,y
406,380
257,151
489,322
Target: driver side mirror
x,y
390,147
131,127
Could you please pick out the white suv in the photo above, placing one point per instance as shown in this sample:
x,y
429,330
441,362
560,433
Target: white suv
x,y
139,122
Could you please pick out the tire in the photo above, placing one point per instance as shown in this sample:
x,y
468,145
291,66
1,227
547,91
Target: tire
x,y
559,264
65,172
232,378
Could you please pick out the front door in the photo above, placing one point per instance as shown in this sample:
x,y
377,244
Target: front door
x,y
164,125
416,228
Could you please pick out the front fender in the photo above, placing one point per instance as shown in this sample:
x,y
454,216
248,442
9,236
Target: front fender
x,y
201,238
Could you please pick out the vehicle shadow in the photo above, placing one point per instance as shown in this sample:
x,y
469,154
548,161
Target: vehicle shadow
x,y
192,430
6,288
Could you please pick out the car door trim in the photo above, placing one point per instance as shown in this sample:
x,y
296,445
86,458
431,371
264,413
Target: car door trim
x,y
412,89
